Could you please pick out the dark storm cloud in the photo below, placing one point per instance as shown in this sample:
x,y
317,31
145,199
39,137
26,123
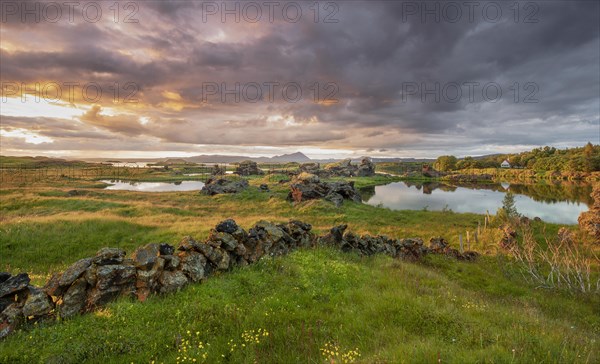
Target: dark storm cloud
x,y
376,53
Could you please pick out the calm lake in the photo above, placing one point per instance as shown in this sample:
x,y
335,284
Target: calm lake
x,y
155,186
557,203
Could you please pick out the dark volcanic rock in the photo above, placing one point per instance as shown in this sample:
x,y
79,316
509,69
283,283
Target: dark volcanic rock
x,y
145,257
14,284
73,301
248,168
38,303
166,249
172,281
215,186
366,168
74,271
109,256
114,275
227,226
310,187
192,265
4,276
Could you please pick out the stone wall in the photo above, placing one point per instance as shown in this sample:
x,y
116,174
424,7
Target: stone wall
x,y
92,282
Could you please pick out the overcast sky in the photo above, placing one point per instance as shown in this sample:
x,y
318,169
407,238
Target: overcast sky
x,y
330,79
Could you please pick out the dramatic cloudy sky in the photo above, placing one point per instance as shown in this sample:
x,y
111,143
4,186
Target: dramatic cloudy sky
x,y
394,78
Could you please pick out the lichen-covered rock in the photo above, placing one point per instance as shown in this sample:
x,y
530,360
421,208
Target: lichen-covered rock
x,y
38,303
366,168
109,256
215,186
74,271
171,262
172,281
228,226
192,265
147,281
145,257
14,284
114,275
310,187
74,299
248,168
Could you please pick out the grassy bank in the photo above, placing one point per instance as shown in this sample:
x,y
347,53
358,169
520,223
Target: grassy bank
x,y
311,301
386,311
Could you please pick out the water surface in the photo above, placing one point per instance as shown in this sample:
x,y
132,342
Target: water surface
x,y
552,203
154,186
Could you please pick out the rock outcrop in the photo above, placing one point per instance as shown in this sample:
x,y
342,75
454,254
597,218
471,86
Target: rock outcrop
x,y
308,186
219,185
248,168
366,168
92,282
589,221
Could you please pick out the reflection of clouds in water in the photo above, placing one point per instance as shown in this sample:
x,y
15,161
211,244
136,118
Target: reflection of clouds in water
x,y
155,186
400,197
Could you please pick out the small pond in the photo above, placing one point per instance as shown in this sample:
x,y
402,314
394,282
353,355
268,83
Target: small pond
x,y
154,186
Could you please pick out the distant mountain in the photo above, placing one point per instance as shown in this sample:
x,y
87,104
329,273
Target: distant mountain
x,y
298,157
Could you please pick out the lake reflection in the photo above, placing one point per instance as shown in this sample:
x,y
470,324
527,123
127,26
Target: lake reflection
x,y
155,186
552,203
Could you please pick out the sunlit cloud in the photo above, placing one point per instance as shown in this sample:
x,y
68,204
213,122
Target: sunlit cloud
x,y
28,136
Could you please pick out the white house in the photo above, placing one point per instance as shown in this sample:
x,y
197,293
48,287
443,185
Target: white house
x,y
505,164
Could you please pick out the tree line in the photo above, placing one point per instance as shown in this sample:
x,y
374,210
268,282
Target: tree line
x,y
543,159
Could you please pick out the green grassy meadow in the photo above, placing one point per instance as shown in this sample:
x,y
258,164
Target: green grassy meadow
x,y
312,306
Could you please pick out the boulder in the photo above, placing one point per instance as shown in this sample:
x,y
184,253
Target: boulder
x,y
172,281
38,303
74,300
366,168
215,186
147,281
342,169
248,168
264,188
109,256
308,187
114,275
227,226
14,284
192,265
145,257
74,271
53,288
